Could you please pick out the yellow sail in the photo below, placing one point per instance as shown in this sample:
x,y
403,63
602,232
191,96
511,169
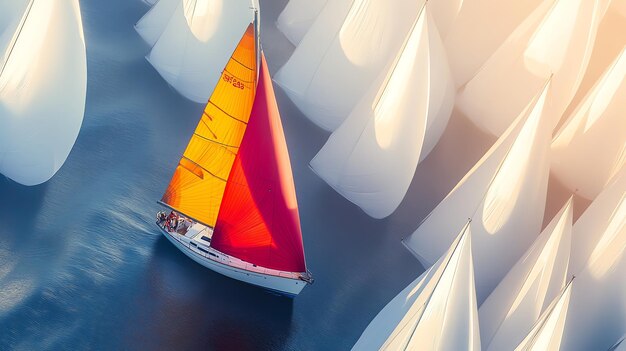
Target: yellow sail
x,y
198,184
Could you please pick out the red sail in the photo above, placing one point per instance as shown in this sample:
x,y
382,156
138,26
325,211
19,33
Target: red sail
x,y
258,219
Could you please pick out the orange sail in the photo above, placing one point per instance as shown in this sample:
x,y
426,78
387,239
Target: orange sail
x,y
198,184
258,220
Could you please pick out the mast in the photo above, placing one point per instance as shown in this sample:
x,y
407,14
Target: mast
x,y
198,183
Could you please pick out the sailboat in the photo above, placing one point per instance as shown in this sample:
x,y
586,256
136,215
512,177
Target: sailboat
x,y
43,85
371,158
435,312
232,196
505,193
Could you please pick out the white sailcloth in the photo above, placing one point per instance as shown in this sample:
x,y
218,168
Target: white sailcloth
x,y
297,18
591,146
504,192
477,31
43,81
601,227
597,314
197,42
559,42
343,52
548,331
151,2
371,158
153,23
516,304
435,312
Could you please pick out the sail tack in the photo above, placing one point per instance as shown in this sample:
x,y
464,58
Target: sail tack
x,y
504,192
371,158
343,52
40,122
436,312
258,220
198,183
591,146
297,18
557,38
512,309
197,42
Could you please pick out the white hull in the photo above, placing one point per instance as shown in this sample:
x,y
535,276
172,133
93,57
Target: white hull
x,y
286,283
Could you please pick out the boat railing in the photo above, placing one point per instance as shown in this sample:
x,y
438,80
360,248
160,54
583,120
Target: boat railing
x,y
241,264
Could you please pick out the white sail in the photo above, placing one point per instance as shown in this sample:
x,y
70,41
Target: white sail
x,y
559,43
435,312
43,81
151,2
504,192
476,33
598,259
153,23
371,158
11,16
591,146
548,331
344,51
512,309
197,42
598,308
601,227
297,18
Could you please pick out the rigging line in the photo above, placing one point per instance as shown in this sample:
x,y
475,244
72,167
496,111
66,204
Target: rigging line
x,y
16,35
532,106
241,63
397,58
466,227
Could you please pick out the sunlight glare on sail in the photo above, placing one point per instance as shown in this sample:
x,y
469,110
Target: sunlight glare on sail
x,y
390,103
24,53
547,49
608,89
203,17
359,35
612,243
503,192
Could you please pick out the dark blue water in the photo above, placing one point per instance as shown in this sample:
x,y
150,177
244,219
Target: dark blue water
x,y
82,265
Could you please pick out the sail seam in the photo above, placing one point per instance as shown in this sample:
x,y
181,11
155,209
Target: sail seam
x,y
228,114
16,36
